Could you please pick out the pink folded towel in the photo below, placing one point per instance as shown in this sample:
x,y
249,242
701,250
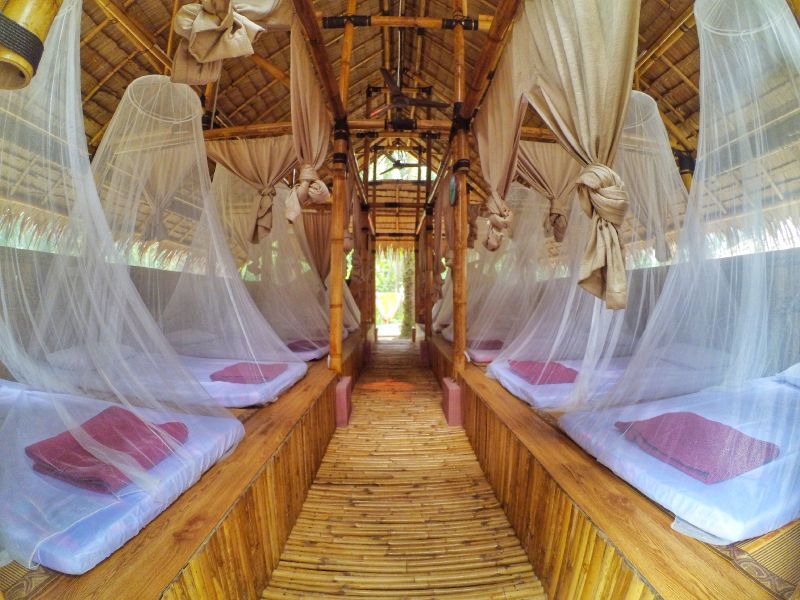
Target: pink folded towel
x,y
706,450
542,373
306,345
63,457
248,372
485,344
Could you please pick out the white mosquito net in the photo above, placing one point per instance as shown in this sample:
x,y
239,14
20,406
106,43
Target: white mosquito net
x,y
514,292
102,427
570,337
706,417
283,283
152,175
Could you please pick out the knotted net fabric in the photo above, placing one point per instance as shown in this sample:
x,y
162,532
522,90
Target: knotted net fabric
x,y
311,124
213,30
262,163
584,54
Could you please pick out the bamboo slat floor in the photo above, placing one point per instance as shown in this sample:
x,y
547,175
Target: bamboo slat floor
x,y
400,507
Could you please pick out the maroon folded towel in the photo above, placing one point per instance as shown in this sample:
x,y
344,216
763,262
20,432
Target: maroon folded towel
x,y
63,457
542,373
706,450
485,344
306,345
248,372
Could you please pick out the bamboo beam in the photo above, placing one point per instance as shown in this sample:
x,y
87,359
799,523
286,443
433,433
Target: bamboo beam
x,y
422,10
666,40
479,23
284,127
271,69
136,33
171,37
460,167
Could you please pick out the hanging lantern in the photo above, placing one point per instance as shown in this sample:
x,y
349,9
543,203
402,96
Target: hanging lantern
x,y
23,28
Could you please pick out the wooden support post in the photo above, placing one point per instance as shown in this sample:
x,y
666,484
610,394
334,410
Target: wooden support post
x,y
460,168
338,199
428,232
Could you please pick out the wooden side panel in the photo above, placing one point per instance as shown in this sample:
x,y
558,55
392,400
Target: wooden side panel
x,y
587,533
441,357
238,558
352,355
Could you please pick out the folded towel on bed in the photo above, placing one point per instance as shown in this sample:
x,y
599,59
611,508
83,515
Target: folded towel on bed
x,y
706,450
306,345
485,344
248,372
63,457
542,373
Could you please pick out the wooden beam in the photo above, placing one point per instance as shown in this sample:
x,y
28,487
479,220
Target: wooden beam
x,y
479,23
666,40
136,33
171,37
271,69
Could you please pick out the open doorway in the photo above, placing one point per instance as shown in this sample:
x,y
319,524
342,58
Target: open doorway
x,y
394,292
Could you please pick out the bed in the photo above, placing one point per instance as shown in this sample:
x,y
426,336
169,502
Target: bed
x,y
745,506
237,395
104,522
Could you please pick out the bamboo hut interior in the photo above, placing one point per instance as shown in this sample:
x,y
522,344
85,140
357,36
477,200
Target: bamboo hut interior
x,y
590,213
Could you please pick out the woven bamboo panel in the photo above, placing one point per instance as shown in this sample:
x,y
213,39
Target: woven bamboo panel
x,y
400,507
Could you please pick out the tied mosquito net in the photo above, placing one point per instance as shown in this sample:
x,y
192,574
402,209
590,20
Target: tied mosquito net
x,y
152,175
571,342
705,419
101,427
283,283
514,293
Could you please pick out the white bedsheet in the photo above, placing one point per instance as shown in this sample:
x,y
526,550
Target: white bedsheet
x,y
90,526
749,505
235,395
556,395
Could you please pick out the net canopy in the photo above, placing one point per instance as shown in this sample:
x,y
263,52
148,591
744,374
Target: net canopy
x,y
152,175
514,290
285,286
571,327
92,372
705,419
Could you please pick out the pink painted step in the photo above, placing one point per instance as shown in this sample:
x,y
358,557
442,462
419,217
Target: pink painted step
x,y
344,403
451,402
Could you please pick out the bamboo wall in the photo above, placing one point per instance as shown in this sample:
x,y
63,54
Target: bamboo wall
x,y
239,556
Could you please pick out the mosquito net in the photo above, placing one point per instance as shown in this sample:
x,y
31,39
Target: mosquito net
x,y
513,294
706,417
102,427
571,332
152,175
285,286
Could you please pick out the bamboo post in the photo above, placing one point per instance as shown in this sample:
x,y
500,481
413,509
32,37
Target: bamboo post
x,y
429,266
27,22
460,168
686,168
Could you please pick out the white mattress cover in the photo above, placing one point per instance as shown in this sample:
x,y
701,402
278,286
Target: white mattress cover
x,y
749,505
235,395
82,545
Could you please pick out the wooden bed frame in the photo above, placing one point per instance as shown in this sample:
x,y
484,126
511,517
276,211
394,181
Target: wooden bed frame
x,y
587,533
224,536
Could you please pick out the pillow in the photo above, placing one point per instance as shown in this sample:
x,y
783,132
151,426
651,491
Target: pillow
x,y
695,357
189,336
791,375
78,358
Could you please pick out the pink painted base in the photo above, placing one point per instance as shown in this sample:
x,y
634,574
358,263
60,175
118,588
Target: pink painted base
x,y
451,402
344,403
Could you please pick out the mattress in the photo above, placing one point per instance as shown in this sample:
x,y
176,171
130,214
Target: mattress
x,y
556,396
749,505
237,395
482,357
68,529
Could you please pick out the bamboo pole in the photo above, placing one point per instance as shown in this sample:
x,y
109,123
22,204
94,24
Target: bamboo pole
x,y
171,37
35,17
682,24
271,68
137,33
428,223
460,168
480,23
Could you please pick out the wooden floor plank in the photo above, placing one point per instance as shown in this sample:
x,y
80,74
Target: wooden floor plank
x,y
400,506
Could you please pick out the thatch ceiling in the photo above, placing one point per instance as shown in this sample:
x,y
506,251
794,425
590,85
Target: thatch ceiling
x,y
667,69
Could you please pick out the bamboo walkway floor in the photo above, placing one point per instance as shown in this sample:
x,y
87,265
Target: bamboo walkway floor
x,y
400,507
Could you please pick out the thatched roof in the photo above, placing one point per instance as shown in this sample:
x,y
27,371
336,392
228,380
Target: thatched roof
x,y
249,93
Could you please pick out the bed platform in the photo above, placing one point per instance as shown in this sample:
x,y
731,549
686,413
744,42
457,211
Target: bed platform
x,y
234,521
564,507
